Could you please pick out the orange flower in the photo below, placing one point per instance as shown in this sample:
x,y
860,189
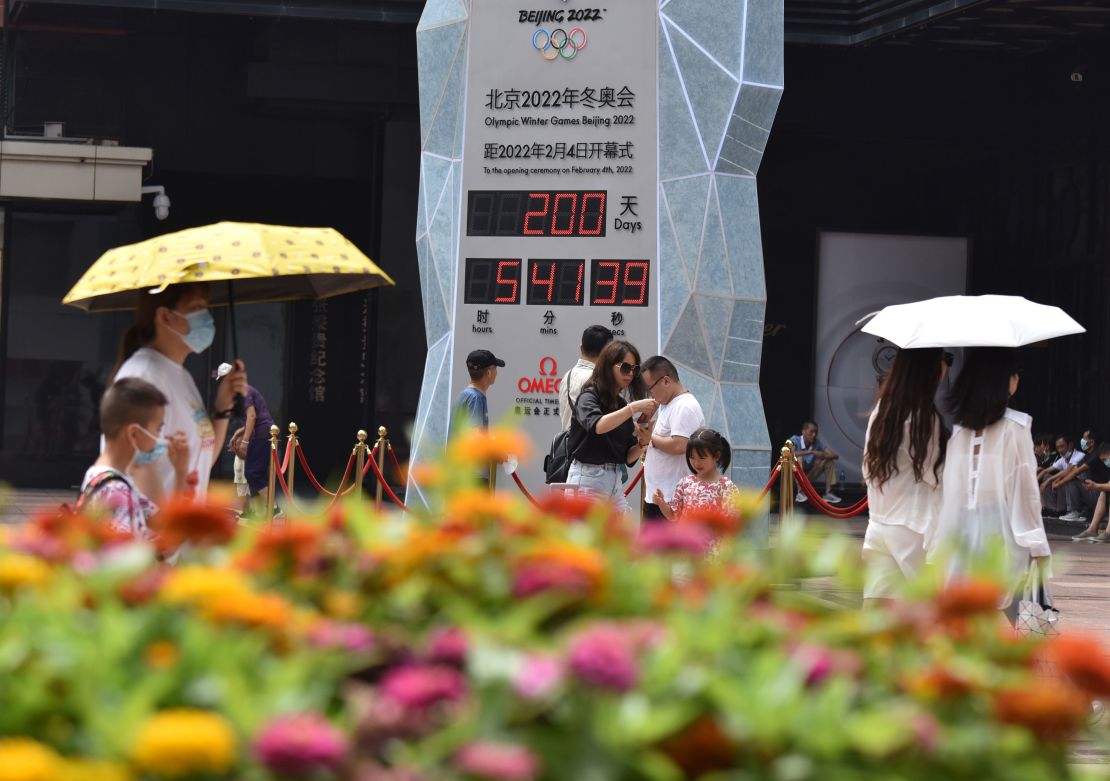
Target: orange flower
x,y
427,475
701,747
482,446
160,654
295,544
1050,710
1082,658
182,520
719,521
263,611
969,597
566,505
478,504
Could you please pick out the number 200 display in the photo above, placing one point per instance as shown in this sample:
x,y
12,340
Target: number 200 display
x,y
556,282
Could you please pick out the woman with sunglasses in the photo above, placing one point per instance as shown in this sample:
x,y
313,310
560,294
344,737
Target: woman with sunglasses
x,y
903,456
991,503
604,438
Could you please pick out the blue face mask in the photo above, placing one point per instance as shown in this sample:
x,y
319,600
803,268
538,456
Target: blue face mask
x,y
1106,461
143,457
202,330
1084,443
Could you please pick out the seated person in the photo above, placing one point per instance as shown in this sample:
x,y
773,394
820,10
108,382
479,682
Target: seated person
x,y
1098,480
1060,492
132,412
1042,449
817,460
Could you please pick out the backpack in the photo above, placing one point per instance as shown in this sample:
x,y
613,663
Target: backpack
x,y
556,464
98,482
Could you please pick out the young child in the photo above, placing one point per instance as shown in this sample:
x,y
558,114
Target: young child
x,y
132,412
708,455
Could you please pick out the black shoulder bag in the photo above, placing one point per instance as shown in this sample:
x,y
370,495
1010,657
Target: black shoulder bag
x,y
556,464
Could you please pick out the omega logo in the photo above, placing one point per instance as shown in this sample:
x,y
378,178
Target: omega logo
x,y
547,382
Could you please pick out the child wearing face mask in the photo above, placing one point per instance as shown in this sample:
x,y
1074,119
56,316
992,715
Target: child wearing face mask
x,y
132,413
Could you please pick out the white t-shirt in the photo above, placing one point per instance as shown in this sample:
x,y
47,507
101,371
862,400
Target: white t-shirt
x,y
680,417
571,387
185,412
902,500
1063,462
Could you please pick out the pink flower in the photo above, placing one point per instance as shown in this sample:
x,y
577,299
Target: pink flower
x,y
341,635
602,657
421,686
448,646
300,744
497,761
538,677
819,662
549,576
675,538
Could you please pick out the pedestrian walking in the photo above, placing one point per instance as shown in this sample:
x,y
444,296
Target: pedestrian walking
x,y
472,405
594,338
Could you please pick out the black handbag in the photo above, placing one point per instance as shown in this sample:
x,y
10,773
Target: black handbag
x,y
556,464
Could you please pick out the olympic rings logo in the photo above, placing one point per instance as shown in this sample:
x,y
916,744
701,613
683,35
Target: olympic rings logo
x,y
559,43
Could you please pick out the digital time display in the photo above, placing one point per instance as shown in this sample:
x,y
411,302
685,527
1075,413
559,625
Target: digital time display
x,y
557,282
619,283
536,213
492,281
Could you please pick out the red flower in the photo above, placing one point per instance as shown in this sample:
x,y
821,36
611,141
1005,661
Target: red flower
x,y
1082,658
721,521
421,686
497,761
702,747
293,544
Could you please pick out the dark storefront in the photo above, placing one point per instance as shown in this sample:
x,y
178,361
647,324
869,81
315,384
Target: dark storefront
x,y
935,119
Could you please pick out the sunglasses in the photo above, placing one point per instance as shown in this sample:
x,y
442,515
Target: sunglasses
x,y
629,368
652,386
948,359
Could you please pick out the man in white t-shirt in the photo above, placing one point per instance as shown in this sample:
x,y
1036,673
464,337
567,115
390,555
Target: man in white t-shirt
x,y
594,339
1056,496
679,416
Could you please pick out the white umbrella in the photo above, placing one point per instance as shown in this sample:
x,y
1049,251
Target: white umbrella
x,y
971,321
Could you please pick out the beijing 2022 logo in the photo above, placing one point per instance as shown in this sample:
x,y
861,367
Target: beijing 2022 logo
x,y
559,43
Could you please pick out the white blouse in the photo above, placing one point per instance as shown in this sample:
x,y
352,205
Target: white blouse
x,y
902,500
991,495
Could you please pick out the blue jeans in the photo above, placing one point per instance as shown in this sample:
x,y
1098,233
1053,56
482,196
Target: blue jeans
x,y
600,480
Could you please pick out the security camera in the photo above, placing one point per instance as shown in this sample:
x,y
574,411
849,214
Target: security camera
x,y
161,202
161,206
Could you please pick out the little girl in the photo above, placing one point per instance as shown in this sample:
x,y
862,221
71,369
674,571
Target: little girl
x,y
708,455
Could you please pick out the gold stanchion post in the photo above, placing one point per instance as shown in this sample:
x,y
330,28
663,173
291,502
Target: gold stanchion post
x,y
293,444
381,446
270,496
643,488
360,460
786,481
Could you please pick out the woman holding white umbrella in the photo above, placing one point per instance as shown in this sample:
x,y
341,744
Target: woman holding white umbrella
x,y
990,496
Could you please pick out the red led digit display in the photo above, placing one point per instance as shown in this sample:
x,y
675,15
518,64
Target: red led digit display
x,y
619,282
492,281
535,213
556,282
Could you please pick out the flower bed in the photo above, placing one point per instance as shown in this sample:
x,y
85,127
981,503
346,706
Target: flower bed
x,y
500,641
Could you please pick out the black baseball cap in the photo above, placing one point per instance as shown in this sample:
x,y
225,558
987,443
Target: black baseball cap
x,y
481,359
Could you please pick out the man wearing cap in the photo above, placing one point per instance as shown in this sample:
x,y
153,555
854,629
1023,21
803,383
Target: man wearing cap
x,y
482,366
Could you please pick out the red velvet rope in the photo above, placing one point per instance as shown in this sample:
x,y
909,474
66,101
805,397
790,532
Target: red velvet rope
x,y
523,490
821,504
385,485
639,476
282,483
774,476
288,455
396,463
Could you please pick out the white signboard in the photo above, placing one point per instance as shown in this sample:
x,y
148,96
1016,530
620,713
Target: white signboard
x,y
558,225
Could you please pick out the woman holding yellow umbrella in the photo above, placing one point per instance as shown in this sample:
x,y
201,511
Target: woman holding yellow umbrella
x,y
168,327
170,281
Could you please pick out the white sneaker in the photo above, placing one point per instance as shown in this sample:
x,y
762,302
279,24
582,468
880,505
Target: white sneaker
x,y
801,497
831,498
1072,517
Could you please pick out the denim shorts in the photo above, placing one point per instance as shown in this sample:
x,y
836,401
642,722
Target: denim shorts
x,y
600,480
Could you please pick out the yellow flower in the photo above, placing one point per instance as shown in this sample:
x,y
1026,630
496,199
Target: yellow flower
x,y
481,446
344,605
197,585
23,759
181,743
93,770
265,611
478,503
18,570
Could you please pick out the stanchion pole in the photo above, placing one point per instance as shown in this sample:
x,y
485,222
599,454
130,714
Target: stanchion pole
x,y
786,481
360,460
270,497
292,444
381,446
643,488
493,476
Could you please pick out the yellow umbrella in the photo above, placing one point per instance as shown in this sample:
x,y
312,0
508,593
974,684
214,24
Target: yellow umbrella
x,y
265,263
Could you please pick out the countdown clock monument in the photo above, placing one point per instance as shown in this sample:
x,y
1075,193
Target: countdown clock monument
x,y
593,162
